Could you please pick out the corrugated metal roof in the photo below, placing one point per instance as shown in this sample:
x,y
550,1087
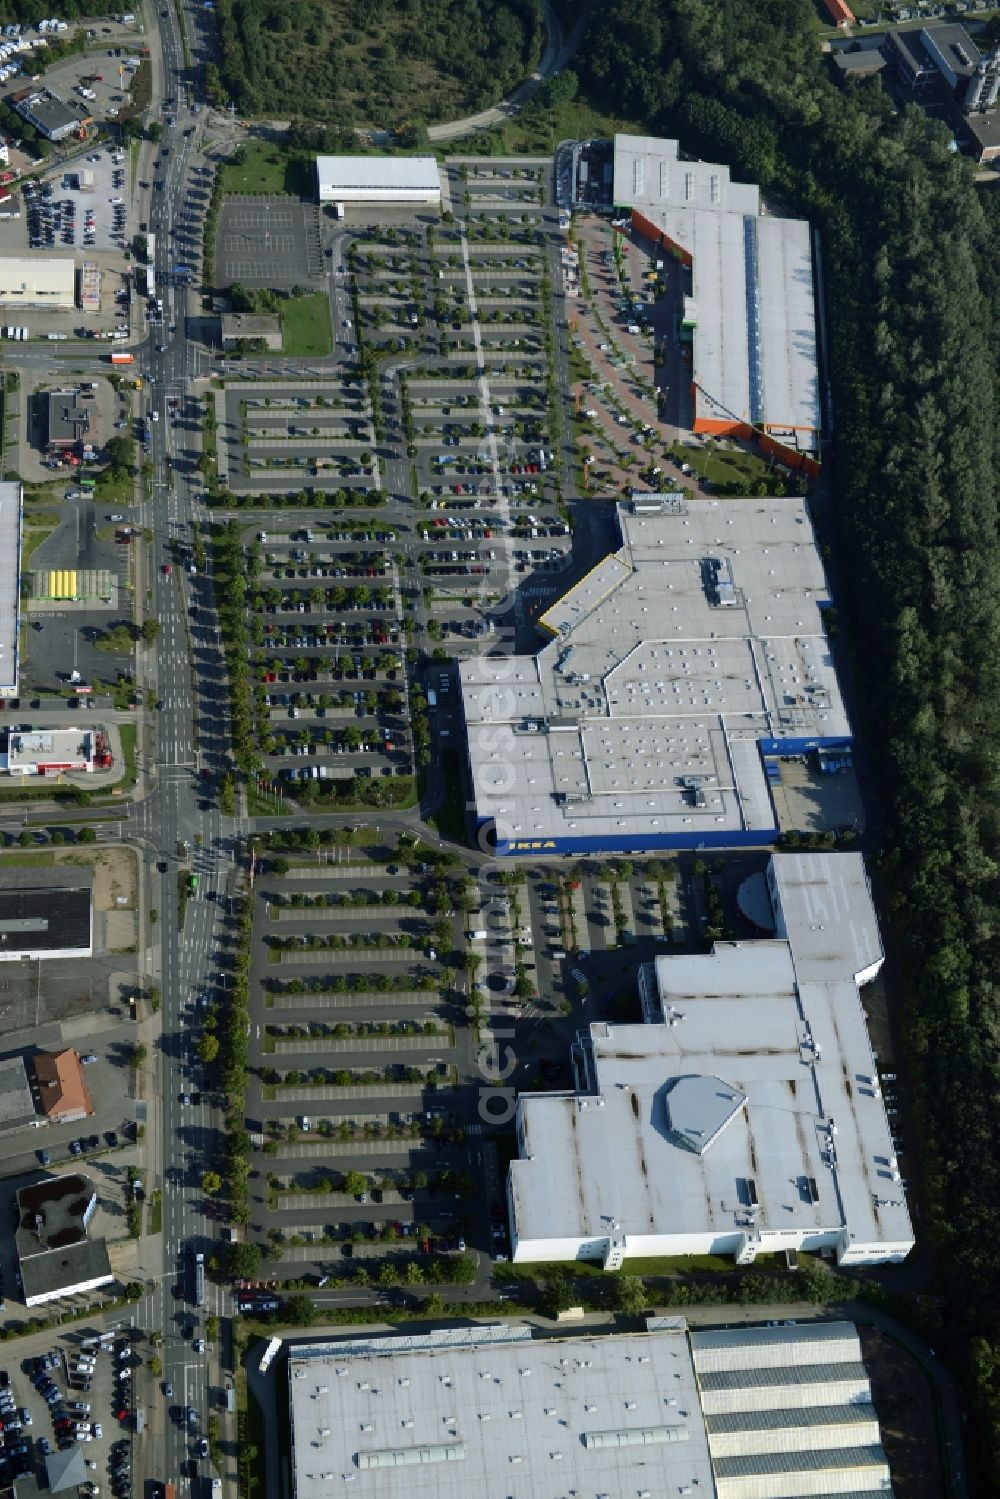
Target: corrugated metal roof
x,y
755,1379
779,1420
788,1343
801,1462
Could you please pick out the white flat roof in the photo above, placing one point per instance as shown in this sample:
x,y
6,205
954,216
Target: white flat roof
x,y
48,747
776,1021
755,338
10,581
491,1412
651,679
38,280
823,905
366,177
752,287
648,174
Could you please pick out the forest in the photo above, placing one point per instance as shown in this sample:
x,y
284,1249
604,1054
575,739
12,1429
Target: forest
x,y
912,304
385,63
30,12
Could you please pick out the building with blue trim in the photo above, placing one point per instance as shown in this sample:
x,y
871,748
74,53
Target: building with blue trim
x,y
677,675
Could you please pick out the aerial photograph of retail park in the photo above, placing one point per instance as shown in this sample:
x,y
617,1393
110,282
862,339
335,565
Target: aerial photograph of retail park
x,y
499,821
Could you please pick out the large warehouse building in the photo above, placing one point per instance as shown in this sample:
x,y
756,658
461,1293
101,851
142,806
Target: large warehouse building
x,y
744,1118
46,281
750,314
681,668
495,1412
11,501
383,180
46,913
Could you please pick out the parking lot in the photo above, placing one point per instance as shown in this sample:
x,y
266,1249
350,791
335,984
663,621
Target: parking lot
x,y
74,1398
360,1116
83,207
280,436
265,241
375,977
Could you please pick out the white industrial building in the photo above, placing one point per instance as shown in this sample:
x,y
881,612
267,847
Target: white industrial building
x,y
11,507
649,173
497,1412
750,311
491,1412
42,281
680,669
745,1117
409,180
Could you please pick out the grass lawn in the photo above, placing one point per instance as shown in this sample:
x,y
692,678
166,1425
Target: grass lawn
x,y
114,491
251,1425
129,732
266,168
305,323
33,537
724,466
263,804
537,130
657,1265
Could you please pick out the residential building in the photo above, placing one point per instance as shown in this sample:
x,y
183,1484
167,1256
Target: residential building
x,y
63,1094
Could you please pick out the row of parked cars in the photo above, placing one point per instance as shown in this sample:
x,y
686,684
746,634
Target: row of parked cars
x,y
15,1447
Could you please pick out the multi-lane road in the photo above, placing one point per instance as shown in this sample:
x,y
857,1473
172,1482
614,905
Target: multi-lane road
x,y
185,826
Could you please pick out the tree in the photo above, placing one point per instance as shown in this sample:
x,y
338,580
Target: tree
x,y
118,453
156,1366
558,1292
86,835
355,1183
244,1260
150,630
208,1047
300,1311
211,1183
630,1295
